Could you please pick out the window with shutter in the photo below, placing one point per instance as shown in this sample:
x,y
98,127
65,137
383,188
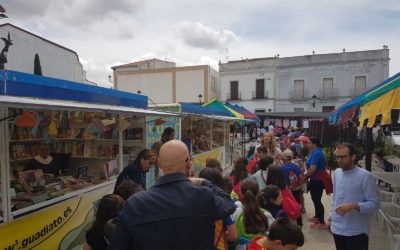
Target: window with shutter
x,y
328,87
299,89
260,89
361,82
234,90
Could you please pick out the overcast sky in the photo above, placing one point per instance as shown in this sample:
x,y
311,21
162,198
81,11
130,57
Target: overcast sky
x,y
106,33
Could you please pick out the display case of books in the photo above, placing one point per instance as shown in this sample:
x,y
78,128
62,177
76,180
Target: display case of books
x,y
207,133
53,153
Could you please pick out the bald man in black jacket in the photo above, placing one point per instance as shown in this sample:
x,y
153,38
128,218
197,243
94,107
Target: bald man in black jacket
x,y
175,214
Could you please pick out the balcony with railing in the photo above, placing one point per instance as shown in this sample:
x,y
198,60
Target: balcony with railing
x,y
237,97
258,95
297,95
328,94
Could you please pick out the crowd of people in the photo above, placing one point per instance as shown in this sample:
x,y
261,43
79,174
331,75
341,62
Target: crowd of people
x,y
258,205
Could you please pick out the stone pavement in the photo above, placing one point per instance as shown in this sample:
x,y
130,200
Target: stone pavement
x,y
321,239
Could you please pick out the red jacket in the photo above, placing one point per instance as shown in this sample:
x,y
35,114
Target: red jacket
x,y
326,180
251,166
253,244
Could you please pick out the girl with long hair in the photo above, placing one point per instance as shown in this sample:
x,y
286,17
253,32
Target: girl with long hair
x,y
238,174
109,207
251,219
273,149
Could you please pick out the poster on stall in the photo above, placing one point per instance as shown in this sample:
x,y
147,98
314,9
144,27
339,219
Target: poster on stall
x,y
155,126
59,226
199,161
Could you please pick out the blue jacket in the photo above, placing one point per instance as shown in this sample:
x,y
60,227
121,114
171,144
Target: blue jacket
x,y
173,214
134,173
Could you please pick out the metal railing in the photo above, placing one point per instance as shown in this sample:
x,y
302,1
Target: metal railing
x,y
259,95
229,97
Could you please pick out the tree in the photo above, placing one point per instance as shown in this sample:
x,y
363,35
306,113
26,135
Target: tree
x,y
37,69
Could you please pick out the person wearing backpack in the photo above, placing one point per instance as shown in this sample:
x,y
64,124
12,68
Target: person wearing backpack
x,y
289,203
251,220
225,229
271,200
291,174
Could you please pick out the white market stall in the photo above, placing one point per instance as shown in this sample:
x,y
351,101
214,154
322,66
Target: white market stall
x,y
91,133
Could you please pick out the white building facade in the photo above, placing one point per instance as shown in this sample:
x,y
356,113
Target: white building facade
x,y
164,83
250,83
55,60
316,83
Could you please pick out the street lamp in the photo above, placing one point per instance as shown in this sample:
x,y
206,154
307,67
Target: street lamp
x,y
200,96
314,98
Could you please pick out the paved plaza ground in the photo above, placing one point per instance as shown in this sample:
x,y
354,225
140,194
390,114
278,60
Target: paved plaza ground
x,y
320,239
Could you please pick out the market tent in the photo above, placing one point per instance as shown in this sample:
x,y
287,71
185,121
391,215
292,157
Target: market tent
x,y
217,105
189,108
350,110
34,103
382,101
13,83
247,114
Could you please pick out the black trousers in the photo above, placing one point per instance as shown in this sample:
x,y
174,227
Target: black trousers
x,y
316,188
297,196
356,242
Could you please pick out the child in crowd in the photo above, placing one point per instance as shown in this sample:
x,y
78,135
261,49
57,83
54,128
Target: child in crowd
x,y
109,207
283,235
228,188
289,203
251,153
127,188
292,174
250,219
225,230
238,174
261,153
213,163
271,200
261,175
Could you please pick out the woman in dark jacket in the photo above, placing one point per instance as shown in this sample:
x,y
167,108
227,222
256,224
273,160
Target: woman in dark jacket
x,y
138,169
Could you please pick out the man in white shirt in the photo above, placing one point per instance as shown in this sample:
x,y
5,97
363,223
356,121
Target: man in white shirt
x,y
271,129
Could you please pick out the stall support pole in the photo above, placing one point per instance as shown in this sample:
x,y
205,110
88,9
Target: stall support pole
x,y
121,146
243,140
191,129
5,167
225,145
322,132
211,134
368,149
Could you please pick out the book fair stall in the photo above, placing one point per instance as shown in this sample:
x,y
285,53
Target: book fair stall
x,y
205,130
62,145
208,128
